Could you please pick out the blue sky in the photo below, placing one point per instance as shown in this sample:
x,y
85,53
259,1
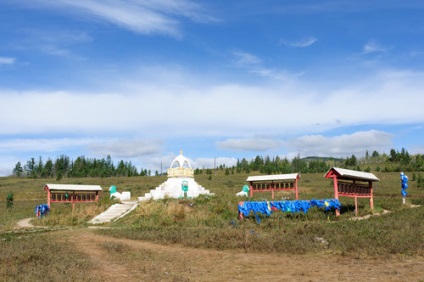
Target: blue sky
x,y
220,80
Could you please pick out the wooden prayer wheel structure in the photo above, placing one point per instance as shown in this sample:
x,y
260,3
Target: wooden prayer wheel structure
x,y
352,184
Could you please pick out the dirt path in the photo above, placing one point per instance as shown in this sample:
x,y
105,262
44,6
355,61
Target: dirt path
x,y
25,223
130,260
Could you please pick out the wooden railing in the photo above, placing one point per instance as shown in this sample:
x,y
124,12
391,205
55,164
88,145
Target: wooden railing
x,y
353,188
69,197
274,185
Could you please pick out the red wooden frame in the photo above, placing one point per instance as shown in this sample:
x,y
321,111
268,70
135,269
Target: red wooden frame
x,y
351,187
71,196
273,185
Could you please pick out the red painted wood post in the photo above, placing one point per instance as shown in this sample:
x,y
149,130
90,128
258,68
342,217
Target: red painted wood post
x,y
356,206
73,198
296,188
336,192
371,196
48,197
251,189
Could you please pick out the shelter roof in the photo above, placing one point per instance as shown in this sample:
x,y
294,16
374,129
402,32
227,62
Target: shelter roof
x,y
343,173
274,177
72,187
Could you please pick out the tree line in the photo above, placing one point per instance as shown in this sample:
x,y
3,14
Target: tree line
x,y
63,166
395,161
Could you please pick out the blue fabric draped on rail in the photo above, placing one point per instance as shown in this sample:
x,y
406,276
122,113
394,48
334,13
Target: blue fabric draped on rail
x,y
296,206
41,210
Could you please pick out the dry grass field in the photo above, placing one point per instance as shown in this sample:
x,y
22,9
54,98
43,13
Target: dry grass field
x,y
202,239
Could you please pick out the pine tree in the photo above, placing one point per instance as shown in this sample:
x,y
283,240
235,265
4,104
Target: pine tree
x,y
18,171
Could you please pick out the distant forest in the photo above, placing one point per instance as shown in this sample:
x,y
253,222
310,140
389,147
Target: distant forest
x,y
63,166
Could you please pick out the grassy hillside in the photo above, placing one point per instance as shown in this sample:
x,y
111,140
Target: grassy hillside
x,y
207,222
217,213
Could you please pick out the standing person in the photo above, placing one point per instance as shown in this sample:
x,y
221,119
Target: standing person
x,y
404,180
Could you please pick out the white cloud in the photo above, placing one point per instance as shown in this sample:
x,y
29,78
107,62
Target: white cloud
x,y
186,8
127,148
52,41
157,109
146,153
144,115
213,162
122,148
302,43
42,144
374,47
343,145
254,65
146,17
7,61
249,144
246,59
6,168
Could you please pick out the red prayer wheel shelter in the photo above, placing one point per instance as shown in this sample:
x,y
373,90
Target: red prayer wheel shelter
x,y
273,183
70,193
352,184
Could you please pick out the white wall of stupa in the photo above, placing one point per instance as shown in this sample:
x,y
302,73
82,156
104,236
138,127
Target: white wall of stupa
x,y
180,178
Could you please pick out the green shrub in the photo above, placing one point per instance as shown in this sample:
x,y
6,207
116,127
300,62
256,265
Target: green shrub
x,y
9,200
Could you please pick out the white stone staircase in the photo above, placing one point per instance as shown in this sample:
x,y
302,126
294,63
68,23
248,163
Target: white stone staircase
x,y
115,212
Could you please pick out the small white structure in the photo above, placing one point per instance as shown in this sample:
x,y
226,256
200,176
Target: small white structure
x,y
244,192
124,196
180,183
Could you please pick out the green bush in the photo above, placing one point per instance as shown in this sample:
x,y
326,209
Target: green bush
x,y
9,200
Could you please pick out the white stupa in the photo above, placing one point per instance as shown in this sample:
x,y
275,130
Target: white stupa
x,y
180,183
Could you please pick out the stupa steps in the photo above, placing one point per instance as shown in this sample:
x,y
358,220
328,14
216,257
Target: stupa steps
x,y
116,211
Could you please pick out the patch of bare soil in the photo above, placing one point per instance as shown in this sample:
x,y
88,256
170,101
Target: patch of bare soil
x,y
25,223
368,216
132,260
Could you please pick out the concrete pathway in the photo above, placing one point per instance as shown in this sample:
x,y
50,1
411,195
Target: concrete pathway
x,y
115,212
